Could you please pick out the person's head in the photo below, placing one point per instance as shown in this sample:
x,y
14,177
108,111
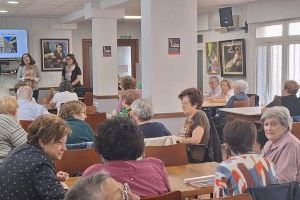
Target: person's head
x,y
290,87
25,93
119,139
73,109
127,82
49,132
141,110
59,47
8,105
71,60
129,96
240,136
65,85
27,60
213,82
240,86
226,85
21,83
99,186
276,121
191,100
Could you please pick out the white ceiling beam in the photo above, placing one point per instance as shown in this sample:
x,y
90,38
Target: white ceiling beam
x,y
73,17
110,3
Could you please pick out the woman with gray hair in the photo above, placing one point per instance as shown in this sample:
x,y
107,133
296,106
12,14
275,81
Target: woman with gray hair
x,y
239,88
282,148
141,112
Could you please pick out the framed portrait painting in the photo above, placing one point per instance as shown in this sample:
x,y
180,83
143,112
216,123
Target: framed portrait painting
x,y
213,58
53,52
233,58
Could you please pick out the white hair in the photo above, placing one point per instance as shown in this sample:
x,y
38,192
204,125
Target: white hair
x,y
240,86
24,93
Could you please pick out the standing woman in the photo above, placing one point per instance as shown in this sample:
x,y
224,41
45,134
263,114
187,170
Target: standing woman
x,y
71,71
29,73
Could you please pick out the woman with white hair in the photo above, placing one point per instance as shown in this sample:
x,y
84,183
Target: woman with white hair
x,y
282,148
141,112
239,88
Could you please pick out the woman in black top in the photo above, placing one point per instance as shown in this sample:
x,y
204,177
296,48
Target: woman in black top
x,y
28,171
71,71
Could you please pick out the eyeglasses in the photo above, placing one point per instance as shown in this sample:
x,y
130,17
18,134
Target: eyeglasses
x,y
125,193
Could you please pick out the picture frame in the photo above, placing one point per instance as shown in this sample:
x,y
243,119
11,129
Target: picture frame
x,y
233,58
53,52
213,58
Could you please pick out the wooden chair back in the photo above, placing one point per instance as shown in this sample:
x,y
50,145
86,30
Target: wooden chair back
x,y
296,129
91,109
244,196
94,119
76,161
25,124
176,195
238,104
163,153
88,98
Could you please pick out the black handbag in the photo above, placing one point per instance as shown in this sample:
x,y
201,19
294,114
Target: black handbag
x,y
197,153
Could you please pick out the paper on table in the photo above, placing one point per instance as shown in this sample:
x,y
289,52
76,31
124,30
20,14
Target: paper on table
x,y
200,181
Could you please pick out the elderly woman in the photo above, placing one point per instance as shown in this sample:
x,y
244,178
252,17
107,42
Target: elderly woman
x,y
74,113
12,134
196,128
282,148
128,97
120,143
64,95
239,88
244,168
33,175
141,112
225,93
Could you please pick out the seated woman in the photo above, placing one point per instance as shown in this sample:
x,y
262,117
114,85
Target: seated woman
x,y
74,113
128,97
239,88
141,112
282,148
196,127
120,143
33,175
243,169
64,95
226,92
12,134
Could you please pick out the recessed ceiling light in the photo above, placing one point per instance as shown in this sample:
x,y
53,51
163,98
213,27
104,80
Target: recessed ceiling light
x,y
132,17
12,2
3,11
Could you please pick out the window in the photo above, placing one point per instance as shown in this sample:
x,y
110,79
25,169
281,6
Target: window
x,y
269,31
294,62
294,28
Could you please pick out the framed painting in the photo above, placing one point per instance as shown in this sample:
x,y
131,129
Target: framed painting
x,y
53,52
233,58
213,58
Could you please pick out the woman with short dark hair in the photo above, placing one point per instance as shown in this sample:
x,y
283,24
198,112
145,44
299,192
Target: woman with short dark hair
x,y
243,169
28,171
120,143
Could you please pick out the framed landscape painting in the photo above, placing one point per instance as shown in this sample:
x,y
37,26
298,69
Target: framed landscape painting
x,y
53,52
233,58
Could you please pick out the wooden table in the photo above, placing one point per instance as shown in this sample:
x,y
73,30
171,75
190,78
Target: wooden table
x,y
245,113
208,104
176,176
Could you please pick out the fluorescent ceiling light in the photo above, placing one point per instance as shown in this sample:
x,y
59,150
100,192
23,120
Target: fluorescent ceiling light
x,y
12,2
3,11
132,17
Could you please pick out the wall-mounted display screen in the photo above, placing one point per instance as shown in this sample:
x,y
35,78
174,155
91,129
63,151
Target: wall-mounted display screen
x,y
13,43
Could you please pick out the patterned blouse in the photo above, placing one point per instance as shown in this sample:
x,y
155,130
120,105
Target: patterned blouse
x,y
235,175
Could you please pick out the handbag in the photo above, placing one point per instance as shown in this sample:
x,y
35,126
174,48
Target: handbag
x,y
197,153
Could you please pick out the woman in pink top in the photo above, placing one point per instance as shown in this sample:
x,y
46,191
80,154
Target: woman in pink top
x,y
120,143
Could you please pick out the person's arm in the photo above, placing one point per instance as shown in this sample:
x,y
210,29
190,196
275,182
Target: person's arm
x,y
276,102
77,80
63,72
18,137
53,101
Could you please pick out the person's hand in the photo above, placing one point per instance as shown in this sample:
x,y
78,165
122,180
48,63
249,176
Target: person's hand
x,y
62,176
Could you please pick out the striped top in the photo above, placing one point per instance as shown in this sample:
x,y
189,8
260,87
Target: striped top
x,y
235,175
11,135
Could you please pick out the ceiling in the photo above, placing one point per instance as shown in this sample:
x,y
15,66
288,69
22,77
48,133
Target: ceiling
x,y
55,8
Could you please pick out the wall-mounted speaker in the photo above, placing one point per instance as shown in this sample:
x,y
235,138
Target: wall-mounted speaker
x,y
226,17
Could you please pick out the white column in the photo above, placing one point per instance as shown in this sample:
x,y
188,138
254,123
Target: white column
x,y
164,75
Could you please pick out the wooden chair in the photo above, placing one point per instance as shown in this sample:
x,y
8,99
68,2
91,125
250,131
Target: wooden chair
x,y
244,196
25,124
238,104
296,129
171,155
88,98
95,119
91,109
176,195
76,161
